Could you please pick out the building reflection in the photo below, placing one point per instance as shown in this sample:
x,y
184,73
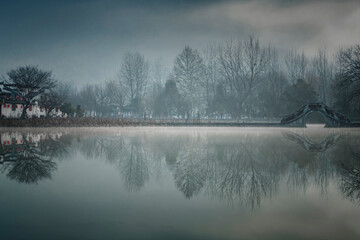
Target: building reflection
x,y
28,158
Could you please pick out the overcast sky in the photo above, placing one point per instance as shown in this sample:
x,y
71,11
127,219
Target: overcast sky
x,y
84,41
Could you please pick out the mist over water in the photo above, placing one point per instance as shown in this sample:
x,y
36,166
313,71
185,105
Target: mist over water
x,y
176,183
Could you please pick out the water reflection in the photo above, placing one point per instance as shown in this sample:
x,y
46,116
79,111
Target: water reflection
x,y
190,172
237,168
28,158
311,146
350,174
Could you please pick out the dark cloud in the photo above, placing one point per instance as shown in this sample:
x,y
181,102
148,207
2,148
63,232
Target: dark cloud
x,y
84,40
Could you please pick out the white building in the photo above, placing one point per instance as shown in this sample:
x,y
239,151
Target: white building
x,y
12,105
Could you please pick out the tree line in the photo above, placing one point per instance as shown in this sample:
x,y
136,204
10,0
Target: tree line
x,y
237,79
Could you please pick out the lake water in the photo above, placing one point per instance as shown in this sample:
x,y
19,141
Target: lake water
x,y
180,183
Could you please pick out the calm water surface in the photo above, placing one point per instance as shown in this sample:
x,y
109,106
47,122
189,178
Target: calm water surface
x,y
180,183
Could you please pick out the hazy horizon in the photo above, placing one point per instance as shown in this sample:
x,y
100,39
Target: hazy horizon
x,y
84,41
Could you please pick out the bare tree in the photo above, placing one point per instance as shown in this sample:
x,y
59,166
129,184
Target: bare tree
x,y
232,70
349,60
102,99
274,86
241,66
295,65
256,59
30,82
323,70
88,97
115,95
134,74
55,97
158,74
188,73
212,75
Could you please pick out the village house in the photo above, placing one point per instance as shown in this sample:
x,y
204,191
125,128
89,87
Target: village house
x,y
12,104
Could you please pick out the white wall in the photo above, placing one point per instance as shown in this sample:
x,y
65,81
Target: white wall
x,y
8,112
35,111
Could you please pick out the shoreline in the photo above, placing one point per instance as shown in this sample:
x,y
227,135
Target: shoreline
x,y
121,122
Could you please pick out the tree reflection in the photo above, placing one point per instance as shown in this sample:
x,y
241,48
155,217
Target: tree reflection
x,y
134,165
315,163
243,169
30,169
30,162
189,172
128,153
350,184
350,175
242,174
